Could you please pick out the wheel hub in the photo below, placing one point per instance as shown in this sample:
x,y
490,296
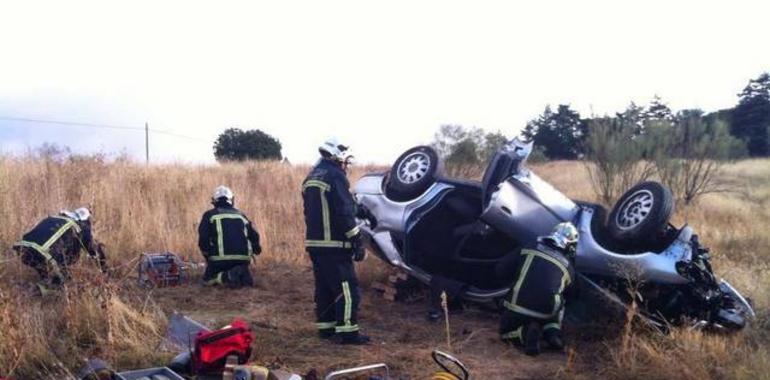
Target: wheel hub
x,y
635,210
414,167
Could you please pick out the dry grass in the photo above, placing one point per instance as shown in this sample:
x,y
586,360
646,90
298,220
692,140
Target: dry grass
x,y
157,208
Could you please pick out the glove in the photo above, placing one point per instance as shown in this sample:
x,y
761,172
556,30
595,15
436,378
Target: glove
x,y
363,213
359,253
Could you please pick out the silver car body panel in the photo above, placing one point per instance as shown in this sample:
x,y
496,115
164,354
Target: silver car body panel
x,y
592,258
522,206
521,213
392,215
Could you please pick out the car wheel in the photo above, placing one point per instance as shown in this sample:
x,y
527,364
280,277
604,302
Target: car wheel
x,y
413,173
642,214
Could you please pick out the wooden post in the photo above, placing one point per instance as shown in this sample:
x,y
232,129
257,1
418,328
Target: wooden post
x,y
147,142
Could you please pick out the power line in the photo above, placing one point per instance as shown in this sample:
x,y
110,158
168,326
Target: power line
x,y
146,129
95,125
178,135
73,123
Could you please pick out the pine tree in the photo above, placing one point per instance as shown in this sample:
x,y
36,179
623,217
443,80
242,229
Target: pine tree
x,y
657,110
560,134
632,115
751,117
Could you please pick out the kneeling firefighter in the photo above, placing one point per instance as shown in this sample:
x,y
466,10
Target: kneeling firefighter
x,y
534,307
333,241
228,242
55,243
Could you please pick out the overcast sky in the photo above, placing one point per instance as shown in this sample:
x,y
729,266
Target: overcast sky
x,y
380,75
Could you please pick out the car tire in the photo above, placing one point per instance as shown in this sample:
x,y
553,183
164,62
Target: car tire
x,y
413,172
641,215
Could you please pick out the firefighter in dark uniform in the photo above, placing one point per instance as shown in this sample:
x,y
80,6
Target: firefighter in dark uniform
x,y
333,242
55,243
228,241
534,307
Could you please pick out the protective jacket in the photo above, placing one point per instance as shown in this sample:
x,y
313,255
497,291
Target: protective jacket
x,y
57,241
225,234
331,229
542,276
329,208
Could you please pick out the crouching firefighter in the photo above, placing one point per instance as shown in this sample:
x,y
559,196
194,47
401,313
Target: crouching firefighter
x,y
534,307
333,242
55,243
228,241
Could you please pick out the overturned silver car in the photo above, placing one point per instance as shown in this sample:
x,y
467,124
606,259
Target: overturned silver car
x,y
467,231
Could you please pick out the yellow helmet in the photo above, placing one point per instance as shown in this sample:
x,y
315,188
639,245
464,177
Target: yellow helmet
x,y
442,375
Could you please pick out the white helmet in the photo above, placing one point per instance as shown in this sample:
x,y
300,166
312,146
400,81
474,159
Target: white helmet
x,y
223,192
564,235
81,215
335,149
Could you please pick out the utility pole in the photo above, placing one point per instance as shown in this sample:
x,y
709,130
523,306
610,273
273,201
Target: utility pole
x,y
147,142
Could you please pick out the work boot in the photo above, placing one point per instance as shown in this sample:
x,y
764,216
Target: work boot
x,y
44,290
352,339
531,339
554,338
326,333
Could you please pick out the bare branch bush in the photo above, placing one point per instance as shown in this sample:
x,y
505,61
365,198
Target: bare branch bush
x,y
616,157
690,153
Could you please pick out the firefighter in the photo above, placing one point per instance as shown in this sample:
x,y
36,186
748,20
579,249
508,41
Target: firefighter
x,y
534,307
228,241
333,242
55,243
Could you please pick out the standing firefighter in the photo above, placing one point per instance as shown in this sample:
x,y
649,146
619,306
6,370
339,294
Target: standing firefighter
x,y
333,242
534,307
55,243
228,242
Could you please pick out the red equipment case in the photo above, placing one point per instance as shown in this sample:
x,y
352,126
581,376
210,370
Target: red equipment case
x,y
213,348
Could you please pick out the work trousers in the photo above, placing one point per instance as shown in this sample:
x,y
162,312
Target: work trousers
x,y
233,274
512,324
336,291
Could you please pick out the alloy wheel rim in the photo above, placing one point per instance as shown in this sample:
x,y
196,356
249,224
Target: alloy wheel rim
x,y
635,210
414,167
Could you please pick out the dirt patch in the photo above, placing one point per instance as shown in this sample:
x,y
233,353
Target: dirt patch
x,y
280,310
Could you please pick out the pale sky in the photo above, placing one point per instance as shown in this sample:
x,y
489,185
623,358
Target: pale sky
x,y
381,75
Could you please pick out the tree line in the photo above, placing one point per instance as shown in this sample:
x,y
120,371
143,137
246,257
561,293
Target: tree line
x,y
682,149
563,134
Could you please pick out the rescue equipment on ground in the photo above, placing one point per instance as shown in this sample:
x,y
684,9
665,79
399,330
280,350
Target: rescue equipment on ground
x,y
212,348
98,369
161,270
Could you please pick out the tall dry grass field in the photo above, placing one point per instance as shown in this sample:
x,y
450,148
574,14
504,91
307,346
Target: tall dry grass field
x,y
155,208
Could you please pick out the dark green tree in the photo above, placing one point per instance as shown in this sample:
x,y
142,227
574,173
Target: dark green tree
x,y
235,144
560,134
657,110
633,115
751,117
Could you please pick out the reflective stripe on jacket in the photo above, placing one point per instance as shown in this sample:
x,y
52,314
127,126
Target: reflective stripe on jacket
x,y
46,234
226,234
542,276
329,207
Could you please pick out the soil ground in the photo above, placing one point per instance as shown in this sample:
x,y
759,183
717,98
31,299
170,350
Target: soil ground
x,y
280,310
